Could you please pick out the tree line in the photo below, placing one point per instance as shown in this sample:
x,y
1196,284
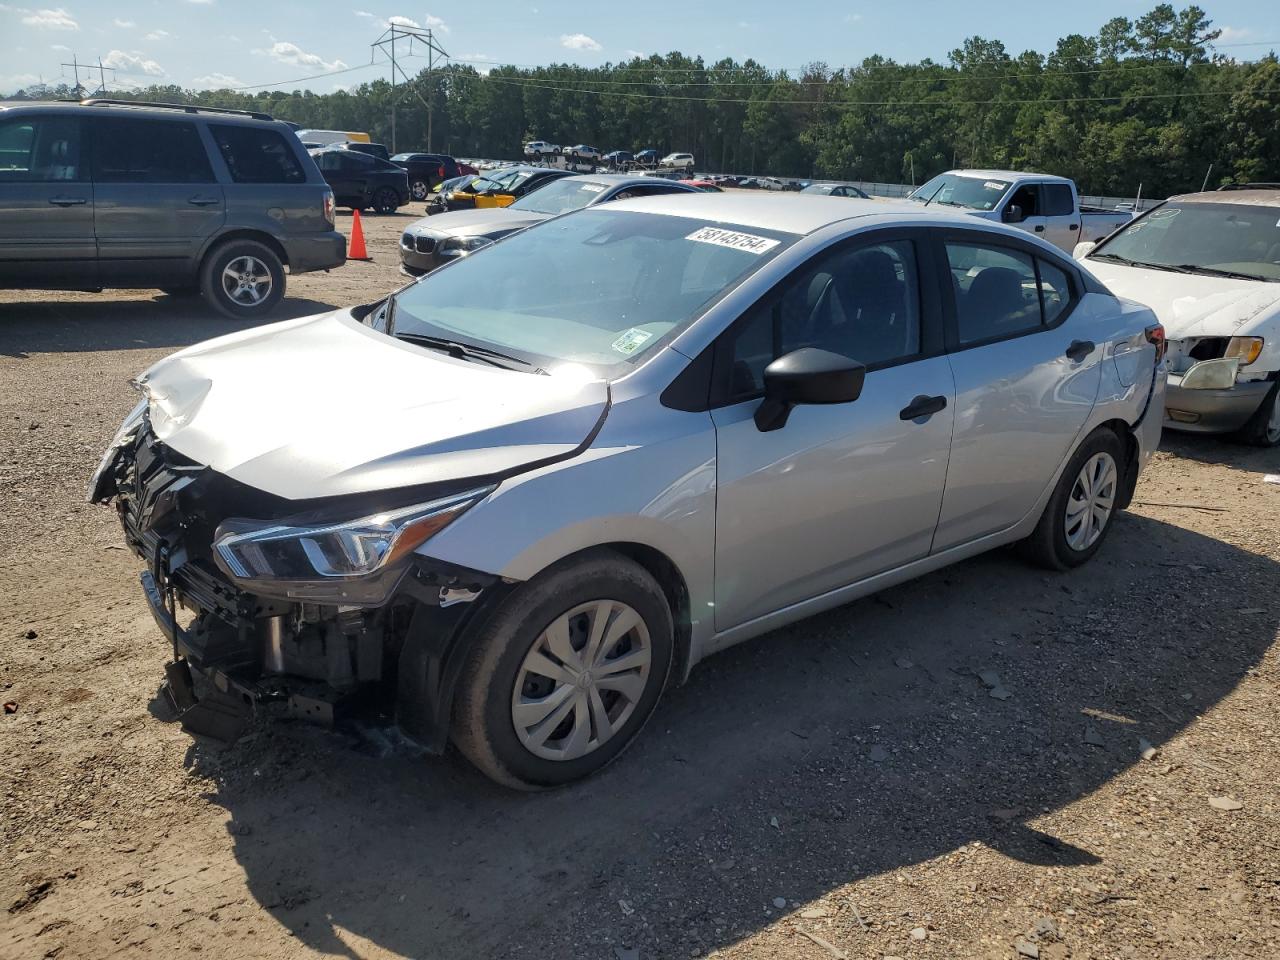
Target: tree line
x,y
1150,102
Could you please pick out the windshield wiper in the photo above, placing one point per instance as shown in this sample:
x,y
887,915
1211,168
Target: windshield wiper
x,y
1116,258
467,351
1231,274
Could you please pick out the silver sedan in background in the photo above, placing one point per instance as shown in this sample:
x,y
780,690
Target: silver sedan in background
x,y
525,493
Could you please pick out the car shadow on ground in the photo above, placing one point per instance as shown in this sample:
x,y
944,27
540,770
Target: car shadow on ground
x,y
1219,450
840,748
85,322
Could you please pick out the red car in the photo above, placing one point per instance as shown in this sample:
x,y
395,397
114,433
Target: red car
x,y
466,169
706,185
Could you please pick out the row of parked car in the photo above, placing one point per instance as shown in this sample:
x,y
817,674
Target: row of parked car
x,y
583,153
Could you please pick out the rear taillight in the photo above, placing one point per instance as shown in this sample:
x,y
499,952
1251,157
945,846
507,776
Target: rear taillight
x,y
328,206
1155,337
440,173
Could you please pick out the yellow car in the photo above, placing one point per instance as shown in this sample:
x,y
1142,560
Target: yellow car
x,y
501,188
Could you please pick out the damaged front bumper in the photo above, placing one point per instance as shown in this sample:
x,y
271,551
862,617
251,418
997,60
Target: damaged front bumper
x,y
235,652
1212,409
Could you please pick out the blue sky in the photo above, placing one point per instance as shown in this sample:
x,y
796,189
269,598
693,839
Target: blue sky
x,y
206,43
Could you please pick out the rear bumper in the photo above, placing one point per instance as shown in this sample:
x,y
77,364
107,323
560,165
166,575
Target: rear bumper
x,y
320,252
1212,411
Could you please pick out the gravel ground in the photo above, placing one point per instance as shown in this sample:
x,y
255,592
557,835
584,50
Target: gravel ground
x,y
848,786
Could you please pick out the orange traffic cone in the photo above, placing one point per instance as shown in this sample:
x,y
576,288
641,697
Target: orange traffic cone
x,y
356,250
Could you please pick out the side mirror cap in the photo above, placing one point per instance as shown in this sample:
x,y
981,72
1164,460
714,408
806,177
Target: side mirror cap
x,y
1082,249
808,376
1013,214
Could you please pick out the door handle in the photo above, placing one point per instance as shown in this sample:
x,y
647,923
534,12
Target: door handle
x,y
922,406
68,201
1040,229
1079,349
202,201
1073,226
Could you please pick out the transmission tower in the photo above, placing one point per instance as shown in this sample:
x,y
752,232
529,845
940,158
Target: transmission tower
x,y
79,89
386,44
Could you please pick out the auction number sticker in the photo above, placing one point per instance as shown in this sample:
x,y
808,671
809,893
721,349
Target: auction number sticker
x,y
734,240
631,340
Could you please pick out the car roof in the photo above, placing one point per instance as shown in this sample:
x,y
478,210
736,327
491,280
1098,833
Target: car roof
x,y
1008,175
1261,198
104,108
621,179
788,213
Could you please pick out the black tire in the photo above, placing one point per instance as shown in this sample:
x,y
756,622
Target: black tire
x,y
1048,546
1263,428
483,728
386,200
217,288
419,188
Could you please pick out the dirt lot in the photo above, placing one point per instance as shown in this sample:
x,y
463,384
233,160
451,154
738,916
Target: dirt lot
x,y
848,786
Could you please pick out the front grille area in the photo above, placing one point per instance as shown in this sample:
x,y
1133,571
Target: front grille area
x,y
426,244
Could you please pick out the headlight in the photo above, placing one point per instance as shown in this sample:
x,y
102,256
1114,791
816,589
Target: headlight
x,y
1245,348
459,246
349,562
123,435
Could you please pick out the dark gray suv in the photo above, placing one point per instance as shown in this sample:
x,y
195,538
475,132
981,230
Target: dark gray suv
x,y
187,199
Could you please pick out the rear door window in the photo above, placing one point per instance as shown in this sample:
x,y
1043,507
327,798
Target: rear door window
x,y
1058,201
257,154
41,150
1001,292
148,151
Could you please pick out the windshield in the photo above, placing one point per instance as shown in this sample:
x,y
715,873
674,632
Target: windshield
x,y
951,190
560,196
819,188
596,289
1234,238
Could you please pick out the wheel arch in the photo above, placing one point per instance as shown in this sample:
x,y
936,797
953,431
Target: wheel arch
x,y
261,236
1129,444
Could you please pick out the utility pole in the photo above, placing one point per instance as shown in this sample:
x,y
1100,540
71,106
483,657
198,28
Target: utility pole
x,y
386,43
78,89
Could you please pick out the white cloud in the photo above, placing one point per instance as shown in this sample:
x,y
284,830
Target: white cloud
x,y
43,19
158,35
481,68
1234,34
61,47
435,23
218,81
134,63
400,21
363,13
290,53
578,41
16,81
632,54
124,24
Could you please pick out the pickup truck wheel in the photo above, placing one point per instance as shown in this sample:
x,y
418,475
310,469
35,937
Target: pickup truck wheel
x,y
1078,516
386,200
419,189
565,673
242,279
1263,428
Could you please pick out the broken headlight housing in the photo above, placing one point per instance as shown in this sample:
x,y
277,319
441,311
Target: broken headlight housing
x,y
123,435
353,562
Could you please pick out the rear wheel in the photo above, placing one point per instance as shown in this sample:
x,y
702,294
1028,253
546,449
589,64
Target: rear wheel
x,y
1078,516
386,200
242,279
565,674
1263,428
419,189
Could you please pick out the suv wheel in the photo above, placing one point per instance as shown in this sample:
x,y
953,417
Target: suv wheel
x,y
566,672
419,189
1263,428
242,279
1078,516
386,200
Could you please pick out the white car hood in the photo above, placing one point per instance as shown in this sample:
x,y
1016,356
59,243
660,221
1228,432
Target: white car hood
x,y
1188,304
324,406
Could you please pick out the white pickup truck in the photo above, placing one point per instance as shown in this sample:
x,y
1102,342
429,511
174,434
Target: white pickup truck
x,y
1044,205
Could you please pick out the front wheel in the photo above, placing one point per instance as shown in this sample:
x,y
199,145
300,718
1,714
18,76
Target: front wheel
x,y
386,200
566,672
1263,428
242,279
1078,516
419,189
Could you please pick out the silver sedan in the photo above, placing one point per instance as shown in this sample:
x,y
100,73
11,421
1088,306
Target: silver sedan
x,y
525,493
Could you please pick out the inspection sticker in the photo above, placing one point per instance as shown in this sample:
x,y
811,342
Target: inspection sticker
x,y
592,188
631,340
736,241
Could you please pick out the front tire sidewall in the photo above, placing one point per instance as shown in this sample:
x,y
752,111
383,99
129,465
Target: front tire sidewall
x,y
420,190
211,279
482,724
385,201
1048,546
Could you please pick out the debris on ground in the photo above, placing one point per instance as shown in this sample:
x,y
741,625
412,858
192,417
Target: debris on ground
x,y
1225,803
1093,736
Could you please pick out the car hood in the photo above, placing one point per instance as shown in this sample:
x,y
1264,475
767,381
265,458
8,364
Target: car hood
x,y
323,406
1192,305
469,223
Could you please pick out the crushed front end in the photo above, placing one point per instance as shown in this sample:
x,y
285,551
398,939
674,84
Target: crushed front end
x,y
355,622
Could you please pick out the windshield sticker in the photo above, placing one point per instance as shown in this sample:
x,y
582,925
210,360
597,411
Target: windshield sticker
x,y
733,240
1168,213
631,341
994,185
593,187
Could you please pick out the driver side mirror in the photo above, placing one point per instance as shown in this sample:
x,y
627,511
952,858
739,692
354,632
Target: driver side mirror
x,y
807,375
1013,214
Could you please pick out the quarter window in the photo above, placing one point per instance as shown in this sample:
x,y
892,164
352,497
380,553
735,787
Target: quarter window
x,y
1000,292
257,154
862,303
41,150
147,151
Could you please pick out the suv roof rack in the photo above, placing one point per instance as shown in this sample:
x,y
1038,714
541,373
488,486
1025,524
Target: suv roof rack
x,y
1250,186
185,107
